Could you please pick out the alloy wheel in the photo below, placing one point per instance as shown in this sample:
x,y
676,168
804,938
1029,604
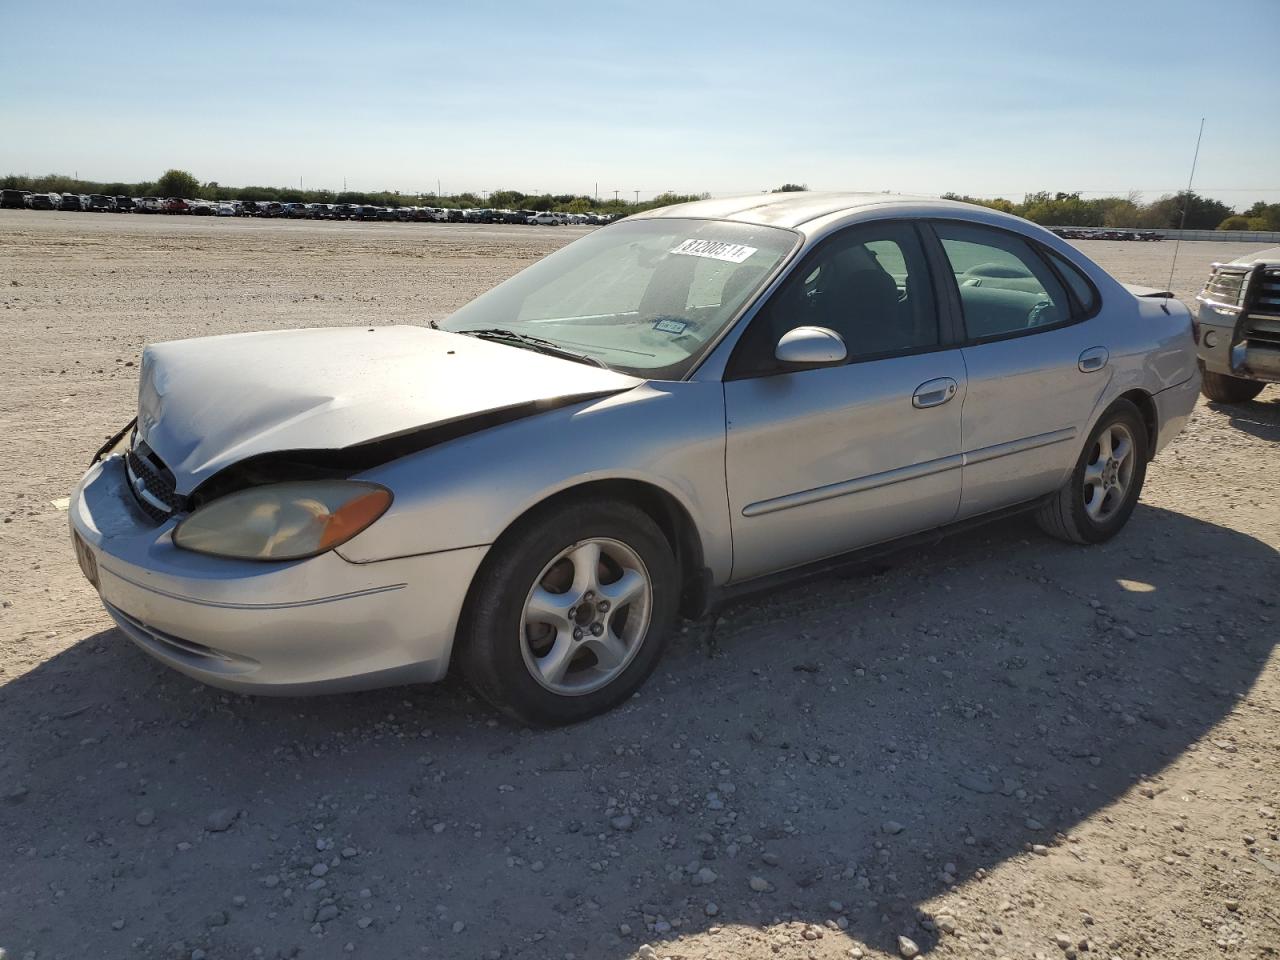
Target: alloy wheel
x,y
586,616
1109,472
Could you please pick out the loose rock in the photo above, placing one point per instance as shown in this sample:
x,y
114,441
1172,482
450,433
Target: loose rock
x,y
221,820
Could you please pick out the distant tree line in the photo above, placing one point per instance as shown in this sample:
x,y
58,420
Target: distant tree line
x,y
1071,210
180,183
1052,209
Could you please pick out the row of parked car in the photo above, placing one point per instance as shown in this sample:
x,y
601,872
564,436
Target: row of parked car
x,y
1072,233
96,202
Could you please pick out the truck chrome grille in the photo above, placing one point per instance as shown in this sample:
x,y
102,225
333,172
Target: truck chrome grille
x,y
152,484
1263,330
1261,326
1265,296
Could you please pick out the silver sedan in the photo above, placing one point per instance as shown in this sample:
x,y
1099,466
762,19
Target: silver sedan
x,y
692,402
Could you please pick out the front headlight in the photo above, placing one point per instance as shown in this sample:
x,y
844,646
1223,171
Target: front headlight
x,y
283,521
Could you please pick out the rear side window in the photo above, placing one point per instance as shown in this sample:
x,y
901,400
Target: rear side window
x,y
1005,287
1081,288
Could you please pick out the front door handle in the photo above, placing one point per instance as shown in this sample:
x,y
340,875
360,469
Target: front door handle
x,y
933,393
1093,359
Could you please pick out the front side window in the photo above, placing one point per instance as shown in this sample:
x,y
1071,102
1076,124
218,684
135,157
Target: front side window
x,y
1005,287
645,297
869,283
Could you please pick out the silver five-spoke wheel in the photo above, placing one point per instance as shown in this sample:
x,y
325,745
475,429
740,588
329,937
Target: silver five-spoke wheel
x,y
586,616
1109,472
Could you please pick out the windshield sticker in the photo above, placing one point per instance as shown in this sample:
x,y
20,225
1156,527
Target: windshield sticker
x,y
714,250
667,325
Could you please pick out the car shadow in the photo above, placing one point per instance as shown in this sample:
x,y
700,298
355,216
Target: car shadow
x,y
838,754
1259,418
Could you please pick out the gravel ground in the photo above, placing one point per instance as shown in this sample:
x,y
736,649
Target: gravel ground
x,y
1001,747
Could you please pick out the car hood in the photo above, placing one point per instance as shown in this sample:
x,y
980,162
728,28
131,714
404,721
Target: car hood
x,y
207,403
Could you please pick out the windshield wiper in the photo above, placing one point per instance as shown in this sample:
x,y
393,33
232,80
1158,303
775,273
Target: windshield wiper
x,y
502,335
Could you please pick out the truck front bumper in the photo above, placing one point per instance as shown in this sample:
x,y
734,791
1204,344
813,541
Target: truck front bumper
x,y
1227,348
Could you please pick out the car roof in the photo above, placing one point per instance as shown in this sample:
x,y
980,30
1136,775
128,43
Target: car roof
x,y
793,209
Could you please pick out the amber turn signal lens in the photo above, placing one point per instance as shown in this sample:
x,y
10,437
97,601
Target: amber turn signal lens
x,y
353,516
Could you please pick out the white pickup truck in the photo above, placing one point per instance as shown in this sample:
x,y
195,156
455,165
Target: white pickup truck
x,y
1239,327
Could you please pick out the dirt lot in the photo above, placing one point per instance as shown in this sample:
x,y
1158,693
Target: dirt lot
x,y
1001,747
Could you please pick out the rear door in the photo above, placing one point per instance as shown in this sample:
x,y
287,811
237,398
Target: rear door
x,y
821,461
1037,363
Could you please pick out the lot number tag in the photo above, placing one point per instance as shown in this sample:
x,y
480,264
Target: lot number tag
x,y
714,250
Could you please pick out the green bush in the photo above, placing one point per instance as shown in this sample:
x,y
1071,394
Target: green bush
x,y
178,183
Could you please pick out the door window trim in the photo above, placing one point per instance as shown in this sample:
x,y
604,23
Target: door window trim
x,y
950,329
1051,256
1076,315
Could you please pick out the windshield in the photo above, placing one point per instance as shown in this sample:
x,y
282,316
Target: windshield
x,y
643,296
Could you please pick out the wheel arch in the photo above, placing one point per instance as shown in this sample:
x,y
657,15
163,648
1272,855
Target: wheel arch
x,y
1150,417
671,516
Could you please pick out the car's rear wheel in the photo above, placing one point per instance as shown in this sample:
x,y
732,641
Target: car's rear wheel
x,y
1225,389
1096,501
570,612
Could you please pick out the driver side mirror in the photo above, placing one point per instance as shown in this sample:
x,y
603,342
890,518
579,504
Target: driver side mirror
x,y
806,347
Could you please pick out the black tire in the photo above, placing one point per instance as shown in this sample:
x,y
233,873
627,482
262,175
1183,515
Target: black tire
x,y
1064,515
489,637
1225,389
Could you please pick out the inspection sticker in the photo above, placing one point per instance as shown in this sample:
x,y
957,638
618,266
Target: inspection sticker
x,y
714,250
669,325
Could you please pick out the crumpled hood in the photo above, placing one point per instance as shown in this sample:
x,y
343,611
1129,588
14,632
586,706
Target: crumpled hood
x,y
207,403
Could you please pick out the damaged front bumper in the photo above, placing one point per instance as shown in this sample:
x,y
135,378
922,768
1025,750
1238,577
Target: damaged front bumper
x,y
308,626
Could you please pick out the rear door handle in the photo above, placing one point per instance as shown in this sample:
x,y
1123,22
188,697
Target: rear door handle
x,y
1093,359
933,393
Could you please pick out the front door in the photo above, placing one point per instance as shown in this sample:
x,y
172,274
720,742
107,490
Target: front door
x,y
821,461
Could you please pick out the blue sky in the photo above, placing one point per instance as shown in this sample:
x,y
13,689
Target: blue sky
x,y
736,96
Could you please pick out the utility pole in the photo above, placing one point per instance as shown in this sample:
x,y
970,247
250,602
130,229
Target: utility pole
x,y
637,196
615,195
597,193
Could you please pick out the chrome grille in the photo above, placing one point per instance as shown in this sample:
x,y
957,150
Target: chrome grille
x,y
1261,327
1265,296
1264,330
152,484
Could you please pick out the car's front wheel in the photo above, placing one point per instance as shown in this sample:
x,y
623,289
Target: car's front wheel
x,y
1225,389
1103,489
570,612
